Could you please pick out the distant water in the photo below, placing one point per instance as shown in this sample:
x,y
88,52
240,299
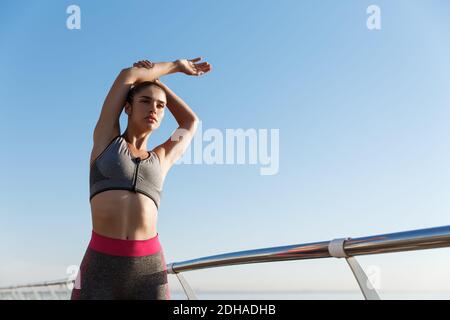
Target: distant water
x,y
275,295
309,296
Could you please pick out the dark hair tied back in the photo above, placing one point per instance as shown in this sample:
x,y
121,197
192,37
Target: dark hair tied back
x,y
135,89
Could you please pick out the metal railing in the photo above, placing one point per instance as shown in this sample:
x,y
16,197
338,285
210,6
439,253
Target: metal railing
x,y
347,248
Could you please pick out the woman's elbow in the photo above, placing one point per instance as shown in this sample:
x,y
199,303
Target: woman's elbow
x,y
128,74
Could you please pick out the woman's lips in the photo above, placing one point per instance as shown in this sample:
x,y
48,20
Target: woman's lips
x,y
150,119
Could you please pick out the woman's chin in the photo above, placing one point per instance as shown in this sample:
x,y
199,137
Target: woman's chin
x,y
152,126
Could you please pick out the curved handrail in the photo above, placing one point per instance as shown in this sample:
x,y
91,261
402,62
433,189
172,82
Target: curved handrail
x,y
420,239
429,238
39,284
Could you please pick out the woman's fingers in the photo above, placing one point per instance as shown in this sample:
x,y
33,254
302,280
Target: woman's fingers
x,y
204,68
200,68
196,59
199,71
148,64
144,64
202,64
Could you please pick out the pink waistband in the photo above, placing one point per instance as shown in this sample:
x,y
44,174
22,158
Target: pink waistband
x,y
120,247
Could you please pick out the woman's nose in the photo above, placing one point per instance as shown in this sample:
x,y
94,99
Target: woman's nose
x,y
154,107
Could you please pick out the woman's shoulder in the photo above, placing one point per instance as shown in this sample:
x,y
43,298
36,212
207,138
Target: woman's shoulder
x,y
101,145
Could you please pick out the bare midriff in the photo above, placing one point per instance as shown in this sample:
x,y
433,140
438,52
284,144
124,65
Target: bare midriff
x,y
124,214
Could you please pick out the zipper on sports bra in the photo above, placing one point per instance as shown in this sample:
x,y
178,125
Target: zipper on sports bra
x,y
138,160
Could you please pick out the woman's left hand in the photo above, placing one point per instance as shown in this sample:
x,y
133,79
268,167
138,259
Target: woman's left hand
x,y
193,67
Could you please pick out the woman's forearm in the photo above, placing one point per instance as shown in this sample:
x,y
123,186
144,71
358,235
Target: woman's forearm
x,y
182,113
135,75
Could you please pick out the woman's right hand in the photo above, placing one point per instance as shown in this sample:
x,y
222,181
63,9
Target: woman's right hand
x,y
143,64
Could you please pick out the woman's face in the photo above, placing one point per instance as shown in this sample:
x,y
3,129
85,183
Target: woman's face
x,y
148,103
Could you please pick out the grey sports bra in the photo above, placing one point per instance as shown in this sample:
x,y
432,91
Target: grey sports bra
x,y
117,169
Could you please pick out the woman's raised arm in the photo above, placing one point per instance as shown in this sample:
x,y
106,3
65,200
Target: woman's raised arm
x,y
153,71
147,71
107,126
174,147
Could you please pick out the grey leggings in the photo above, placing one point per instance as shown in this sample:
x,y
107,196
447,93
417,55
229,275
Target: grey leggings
x,y
105,276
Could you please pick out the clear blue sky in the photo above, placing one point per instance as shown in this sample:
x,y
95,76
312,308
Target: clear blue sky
x,y
362,115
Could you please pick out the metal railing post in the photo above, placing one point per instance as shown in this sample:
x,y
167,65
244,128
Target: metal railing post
x,y
184,284
336,249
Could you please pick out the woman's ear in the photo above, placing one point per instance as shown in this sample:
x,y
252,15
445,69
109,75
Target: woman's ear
x,y
128,108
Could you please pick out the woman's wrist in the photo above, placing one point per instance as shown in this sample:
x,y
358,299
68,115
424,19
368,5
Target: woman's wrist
x,y
177,65
159,69
164,68
145,70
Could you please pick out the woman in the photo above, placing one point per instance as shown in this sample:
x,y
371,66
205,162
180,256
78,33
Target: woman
x,y
124,259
